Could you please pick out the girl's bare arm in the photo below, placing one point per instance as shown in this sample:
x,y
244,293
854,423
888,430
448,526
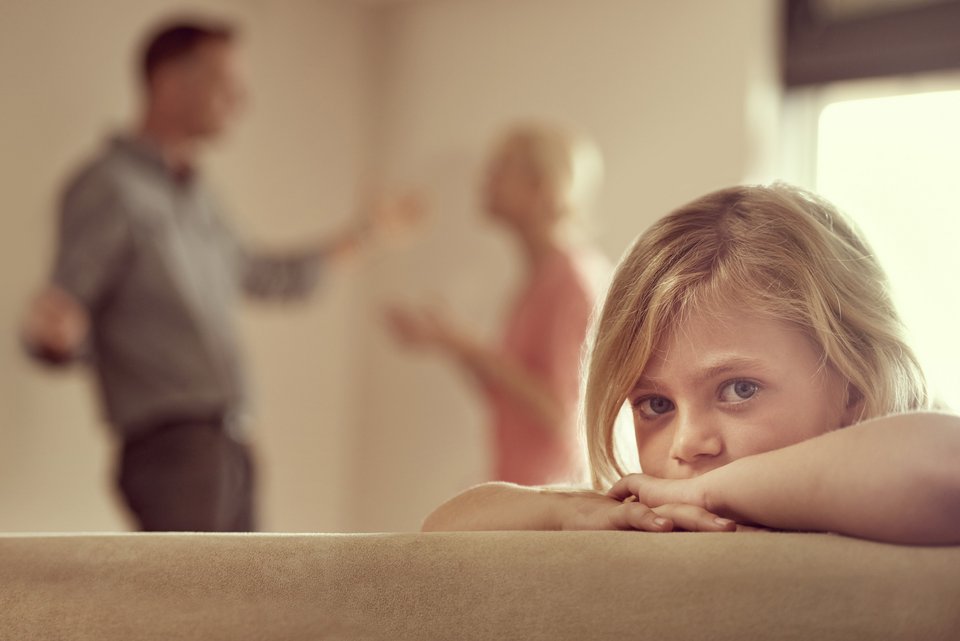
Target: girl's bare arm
x,y
504,506
894,479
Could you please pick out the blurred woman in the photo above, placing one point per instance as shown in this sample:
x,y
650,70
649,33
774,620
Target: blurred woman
x,y
539,182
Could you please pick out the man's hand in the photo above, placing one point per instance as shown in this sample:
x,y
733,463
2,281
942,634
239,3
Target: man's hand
x,y
392,216
56,326
386,218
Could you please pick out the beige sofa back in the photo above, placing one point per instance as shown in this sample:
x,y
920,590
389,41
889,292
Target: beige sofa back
x,y
506,585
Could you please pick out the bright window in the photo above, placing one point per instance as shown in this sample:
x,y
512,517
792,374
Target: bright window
x,y
893,164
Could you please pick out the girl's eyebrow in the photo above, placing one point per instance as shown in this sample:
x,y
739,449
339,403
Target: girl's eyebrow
x,y
712,369
730,365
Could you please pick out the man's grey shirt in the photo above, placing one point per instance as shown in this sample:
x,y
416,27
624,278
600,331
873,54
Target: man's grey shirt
x,y
160,271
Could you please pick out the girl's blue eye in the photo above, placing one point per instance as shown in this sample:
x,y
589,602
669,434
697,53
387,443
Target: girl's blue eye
x,y
738,391
654,406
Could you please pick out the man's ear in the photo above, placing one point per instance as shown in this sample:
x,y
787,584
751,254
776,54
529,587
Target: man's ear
x,y
855,406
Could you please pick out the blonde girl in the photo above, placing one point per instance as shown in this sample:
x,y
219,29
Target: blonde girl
x,y
753,336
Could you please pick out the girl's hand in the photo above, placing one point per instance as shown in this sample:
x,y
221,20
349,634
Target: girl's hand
x,y
593,511
664,496
655,492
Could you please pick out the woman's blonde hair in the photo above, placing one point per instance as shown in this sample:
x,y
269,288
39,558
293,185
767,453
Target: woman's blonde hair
x,y
570,163
779,251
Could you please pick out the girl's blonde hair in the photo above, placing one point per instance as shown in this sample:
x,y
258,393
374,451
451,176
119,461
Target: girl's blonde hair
x,y
569,162
778,251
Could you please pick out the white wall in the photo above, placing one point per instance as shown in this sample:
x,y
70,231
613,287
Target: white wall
x,y
354,434
681,98
290,170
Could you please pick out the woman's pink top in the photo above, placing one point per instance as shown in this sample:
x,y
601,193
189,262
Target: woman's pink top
x,y
544,334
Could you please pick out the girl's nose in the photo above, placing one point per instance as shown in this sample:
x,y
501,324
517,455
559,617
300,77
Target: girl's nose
x,y
696,439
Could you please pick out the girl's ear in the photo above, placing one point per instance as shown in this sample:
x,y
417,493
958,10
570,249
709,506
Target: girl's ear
x,y
853,412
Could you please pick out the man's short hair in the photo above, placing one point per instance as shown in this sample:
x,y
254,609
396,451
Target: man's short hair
x,y
176,40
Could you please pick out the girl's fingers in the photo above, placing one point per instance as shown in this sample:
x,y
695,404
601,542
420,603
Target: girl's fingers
x,y
625,487
655,491
637,516
694,518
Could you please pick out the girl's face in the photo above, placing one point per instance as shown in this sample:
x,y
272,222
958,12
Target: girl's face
x,y
730,384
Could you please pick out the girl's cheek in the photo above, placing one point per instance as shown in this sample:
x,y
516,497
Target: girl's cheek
x,y
654,453
772,433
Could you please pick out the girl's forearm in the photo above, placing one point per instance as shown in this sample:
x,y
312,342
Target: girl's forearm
x,y
894,479
495,506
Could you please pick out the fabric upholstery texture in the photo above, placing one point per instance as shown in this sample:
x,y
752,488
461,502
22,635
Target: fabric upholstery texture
x,y
492,585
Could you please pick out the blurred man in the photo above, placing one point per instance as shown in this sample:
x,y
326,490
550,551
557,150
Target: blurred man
x,y
145,285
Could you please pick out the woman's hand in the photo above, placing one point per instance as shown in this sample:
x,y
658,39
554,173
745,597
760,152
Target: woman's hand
x,y
593,511
409,327
424,328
